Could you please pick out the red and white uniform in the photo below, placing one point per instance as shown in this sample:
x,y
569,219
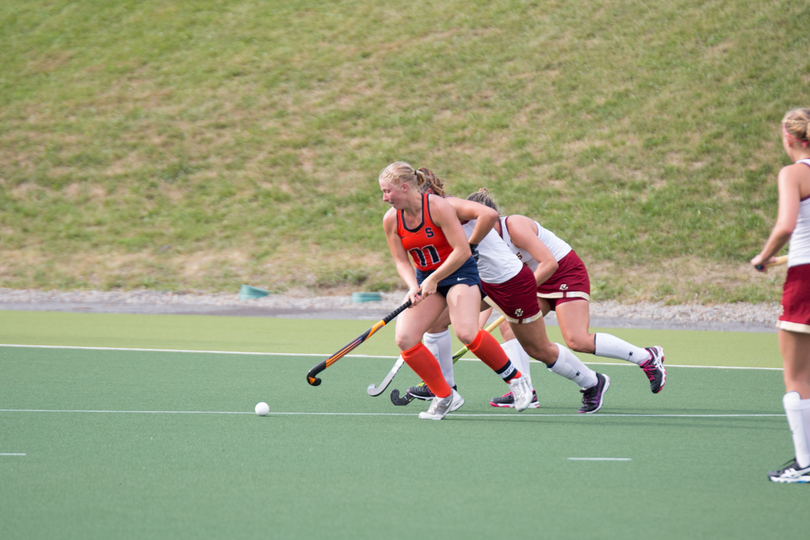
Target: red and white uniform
x,y
496,262
508,283
426,243
569,282
555,245
795,315
799,252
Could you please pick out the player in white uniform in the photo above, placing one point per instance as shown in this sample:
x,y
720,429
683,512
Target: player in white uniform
x,y
510,288
793,225
563,286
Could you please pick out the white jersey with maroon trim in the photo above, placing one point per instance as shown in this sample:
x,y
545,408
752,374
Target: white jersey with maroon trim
x,y
557,247
496,262
799,252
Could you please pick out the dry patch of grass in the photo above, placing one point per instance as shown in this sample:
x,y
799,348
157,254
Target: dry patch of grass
x,y
686,280
249,136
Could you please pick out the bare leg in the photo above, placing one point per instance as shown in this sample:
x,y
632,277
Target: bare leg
x,y
464,304
795,348
441,324
535,341
557,358
506,327
575,319
415,321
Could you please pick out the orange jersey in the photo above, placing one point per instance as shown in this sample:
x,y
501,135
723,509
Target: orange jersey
x,y
426,243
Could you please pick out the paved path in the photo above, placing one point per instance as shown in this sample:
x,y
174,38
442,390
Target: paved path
x,y
729,317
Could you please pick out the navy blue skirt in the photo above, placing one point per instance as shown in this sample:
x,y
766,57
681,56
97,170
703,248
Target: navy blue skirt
x,y
467,274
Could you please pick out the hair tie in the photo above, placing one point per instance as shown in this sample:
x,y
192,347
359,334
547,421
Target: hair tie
x,y
804,143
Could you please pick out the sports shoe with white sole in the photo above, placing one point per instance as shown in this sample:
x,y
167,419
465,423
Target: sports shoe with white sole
x,y
421,391
791,474
439,407
654,369
507,400
522,392
592,397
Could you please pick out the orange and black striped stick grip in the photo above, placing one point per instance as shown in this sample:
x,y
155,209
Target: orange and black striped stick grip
x,y
313,380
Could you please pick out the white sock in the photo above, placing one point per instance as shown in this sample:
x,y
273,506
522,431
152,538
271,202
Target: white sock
x,y
441,346
572,368
798,415
612,347
518,356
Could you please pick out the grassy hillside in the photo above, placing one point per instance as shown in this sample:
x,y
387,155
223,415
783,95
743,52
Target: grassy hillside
x,y
203,144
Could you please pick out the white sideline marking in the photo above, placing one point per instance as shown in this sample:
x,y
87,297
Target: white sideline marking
x,y
125,349
10,454
600,459
628,364
471,415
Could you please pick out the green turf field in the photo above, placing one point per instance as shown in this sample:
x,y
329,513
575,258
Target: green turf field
x,y
99,442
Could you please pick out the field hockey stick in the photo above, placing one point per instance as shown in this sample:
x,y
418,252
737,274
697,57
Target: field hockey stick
x,y
375,391
407,398
311,376
779,261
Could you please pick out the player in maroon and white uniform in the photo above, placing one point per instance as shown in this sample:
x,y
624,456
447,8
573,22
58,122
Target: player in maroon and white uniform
x,y
793,225
425,228
510,287
563,286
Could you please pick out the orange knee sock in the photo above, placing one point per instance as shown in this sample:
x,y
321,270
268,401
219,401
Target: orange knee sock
x,y
424,364
486,347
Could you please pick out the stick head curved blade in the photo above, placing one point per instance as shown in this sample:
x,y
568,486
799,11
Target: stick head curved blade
x,y
400,401
313,381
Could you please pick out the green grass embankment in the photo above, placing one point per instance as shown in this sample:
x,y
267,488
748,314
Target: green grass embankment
x,y
199,145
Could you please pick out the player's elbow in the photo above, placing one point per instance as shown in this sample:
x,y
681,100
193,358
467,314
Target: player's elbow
x,y
545,271
489,216
784,230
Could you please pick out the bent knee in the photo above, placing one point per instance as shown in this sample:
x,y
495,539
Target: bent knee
x,y
583,344
547,355
406,342
467,336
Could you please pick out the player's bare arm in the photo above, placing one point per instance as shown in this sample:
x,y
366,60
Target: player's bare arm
x,y
485,217
790,193
523,232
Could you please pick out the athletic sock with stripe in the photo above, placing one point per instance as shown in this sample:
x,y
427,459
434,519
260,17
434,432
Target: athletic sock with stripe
x,y
487,348
518,356
572,368
610,346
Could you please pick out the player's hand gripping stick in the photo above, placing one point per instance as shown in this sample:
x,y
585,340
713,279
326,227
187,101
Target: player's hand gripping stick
x,y
778,261
311,376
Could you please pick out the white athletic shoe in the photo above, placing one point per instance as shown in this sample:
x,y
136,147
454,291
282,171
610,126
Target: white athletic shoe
x,y
457,403
439,407
522,392
791,474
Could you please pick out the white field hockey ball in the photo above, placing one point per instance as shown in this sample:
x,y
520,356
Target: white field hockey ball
x,y
262,408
